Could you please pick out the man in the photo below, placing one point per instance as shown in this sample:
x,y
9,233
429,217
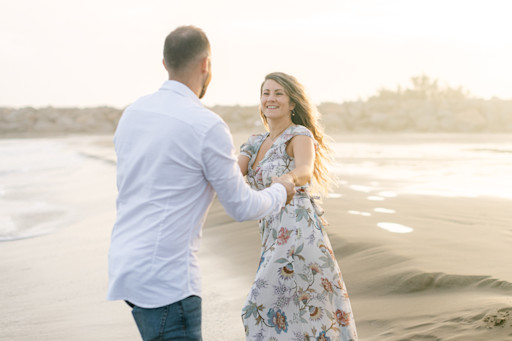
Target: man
x,y
172,156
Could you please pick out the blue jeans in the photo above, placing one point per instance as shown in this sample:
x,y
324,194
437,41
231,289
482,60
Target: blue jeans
x,y
180,321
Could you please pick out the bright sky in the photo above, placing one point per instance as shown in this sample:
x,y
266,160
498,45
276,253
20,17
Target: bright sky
x,y
108,52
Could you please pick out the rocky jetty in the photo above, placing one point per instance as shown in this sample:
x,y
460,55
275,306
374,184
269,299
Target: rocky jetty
x,y
424,107
49,120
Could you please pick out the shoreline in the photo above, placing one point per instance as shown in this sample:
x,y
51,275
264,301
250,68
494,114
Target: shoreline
x,y
448,278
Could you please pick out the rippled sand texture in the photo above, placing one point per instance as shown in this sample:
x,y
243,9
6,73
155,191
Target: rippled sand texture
x,y
421,226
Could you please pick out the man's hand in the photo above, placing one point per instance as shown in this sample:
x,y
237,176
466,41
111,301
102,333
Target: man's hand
x,y
290,187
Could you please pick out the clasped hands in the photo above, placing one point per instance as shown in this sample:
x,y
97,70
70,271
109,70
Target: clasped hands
x,y
288,185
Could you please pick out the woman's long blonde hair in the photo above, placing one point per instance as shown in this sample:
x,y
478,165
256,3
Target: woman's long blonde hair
x,y
305,114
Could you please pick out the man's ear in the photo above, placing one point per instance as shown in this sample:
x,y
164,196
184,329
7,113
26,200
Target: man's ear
x,y
165,65
205,64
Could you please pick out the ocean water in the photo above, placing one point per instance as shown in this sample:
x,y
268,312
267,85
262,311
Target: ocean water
x,y
34,171
436,165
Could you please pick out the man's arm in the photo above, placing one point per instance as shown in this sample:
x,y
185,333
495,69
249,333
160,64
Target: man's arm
x,y
223,173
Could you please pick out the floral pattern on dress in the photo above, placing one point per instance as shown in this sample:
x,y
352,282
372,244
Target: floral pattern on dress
x,y
298,292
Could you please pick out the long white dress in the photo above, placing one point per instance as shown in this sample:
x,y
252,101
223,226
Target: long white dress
x,y
298,292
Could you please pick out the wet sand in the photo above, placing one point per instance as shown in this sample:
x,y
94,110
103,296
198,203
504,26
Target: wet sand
x,y
449,278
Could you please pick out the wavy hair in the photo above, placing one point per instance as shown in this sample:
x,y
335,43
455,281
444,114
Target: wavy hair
x,y
307,115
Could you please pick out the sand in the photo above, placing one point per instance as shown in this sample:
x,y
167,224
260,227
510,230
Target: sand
x,y
450,278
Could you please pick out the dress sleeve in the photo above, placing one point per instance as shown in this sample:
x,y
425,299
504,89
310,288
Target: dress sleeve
x,y
249,148
299,130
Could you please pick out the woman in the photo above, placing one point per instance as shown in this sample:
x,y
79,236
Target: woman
x,y
298,293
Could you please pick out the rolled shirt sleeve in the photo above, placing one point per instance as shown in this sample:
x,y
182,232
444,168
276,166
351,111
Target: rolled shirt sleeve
x,y
223,173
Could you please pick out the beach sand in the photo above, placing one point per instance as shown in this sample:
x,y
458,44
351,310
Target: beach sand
x,y
449,278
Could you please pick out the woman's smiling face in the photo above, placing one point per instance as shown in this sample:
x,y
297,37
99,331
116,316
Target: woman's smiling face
x,y
275,102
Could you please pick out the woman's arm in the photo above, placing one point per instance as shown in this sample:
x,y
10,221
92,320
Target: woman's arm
x,y
302,149
243,162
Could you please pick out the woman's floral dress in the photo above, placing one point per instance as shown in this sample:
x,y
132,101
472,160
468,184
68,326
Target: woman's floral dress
x,y
298,293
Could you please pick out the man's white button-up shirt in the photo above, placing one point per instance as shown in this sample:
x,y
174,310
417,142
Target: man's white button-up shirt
x,y
173,154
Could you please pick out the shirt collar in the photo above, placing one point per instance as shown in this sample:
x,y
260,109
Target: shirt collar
x,y
181,89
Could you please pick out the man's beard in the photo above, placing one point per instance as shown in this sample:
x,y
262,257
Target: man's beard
x,y
203,90
206,82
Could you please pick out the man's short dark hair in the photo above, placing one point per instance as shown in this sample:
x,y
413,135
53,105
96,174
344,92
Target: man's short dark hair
x,y
183,45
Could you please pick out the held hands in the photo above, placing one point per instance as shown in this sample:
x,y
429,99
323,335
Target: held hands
x,y
289,185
